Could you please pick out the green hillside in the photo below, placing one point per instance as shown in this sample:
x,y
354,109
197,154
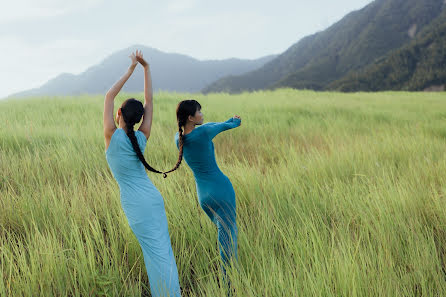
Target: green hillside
x,y
417,66
354,42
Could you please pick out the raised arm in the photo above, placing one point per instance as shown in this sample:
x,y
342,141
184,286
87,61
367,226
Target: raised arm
x,y
109,122
212,129
146,124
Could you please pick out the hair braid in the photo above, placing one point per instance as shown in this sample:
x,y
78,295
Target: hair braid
x,y
131,134
180,145
185,109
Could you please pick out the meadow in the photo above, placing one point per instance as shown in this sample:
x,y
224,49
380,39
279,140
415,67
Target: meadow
x,y
337,195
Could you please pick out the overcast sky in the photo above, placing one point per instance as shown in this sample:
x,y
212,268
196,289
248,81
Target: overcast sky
x,y
40,39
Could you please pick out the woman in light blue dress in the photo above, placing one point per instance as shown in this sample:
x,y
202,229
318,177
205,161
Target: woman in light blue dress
x,y
215,192
141,201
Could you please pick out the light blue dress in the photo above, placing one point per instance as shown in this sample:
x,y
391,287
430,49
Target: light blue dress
x,y
215,192
143,206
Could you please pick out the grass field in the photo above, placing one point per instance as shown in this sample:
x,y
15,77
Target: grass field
x,y
337,195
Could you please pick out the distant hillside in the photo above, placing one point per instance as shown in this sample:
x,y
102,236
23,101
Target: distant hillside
x,y
354,42
170,72
420,65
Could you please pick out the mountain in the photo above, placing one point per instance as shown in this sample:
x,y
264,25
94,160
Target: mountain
x,y
357,40
419,65
170,72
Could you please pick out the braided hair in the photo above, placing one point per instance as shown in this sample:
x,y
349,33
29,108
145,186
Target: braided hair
x,y
132,111
185,109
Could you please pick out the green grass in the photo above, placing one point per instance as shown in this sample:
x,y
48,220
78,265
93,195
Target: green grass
x,y
337,195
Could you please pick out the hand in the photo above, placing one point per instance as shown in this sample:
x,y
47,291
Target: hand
x,y
141,60
238,117
133,57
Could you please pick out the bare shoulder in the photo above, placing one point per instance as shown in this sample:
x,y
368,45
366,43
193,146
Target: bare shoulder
x,y
108,133
144,131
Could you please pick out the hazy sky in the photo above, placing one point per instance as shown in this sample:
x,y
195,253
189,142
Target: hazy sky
x,y
40,39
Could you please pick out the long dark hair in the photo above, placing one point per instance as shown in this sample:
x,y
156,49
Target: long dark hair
x,y
185,109
132,111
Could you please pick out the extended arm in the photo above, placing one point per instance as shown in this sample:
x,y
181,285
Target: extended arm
x,y
109,123
146,124
212,129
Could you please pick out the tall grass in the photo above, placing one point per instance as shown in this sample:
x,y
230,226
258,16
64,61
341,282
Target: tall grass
x,y
337,195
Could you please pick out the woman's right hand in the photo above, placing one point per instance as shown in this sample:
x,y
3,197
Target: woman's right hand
x,y
141,60
238,118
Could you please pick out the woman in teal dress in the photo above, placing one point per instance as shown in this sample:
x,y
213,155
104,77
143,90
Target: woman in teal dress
x,y
141,201
215,192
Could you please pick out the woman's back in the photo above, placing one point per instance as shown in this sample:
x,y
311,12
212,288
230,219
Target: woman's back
x,y
127,169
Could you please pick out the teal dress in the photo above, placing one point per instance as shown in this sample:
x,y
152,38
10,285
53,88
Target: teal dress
x,y
215,192
143,206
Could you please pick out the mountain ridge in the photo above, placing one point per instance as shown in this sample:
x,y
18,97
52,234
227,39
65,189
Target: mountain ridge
x,y
170,72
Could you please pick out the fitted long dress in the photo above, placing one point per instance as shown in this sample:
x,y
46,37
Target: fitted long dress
x,y
215,192
143,206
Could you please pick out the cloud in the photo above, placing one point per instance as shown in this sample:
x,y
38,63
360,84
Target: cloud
x,y
215,36
24,68
180,6
21,10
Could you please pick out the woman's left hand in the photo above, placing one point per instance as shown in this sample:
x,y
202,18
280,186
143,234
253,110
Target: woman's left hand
x,y
133,58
